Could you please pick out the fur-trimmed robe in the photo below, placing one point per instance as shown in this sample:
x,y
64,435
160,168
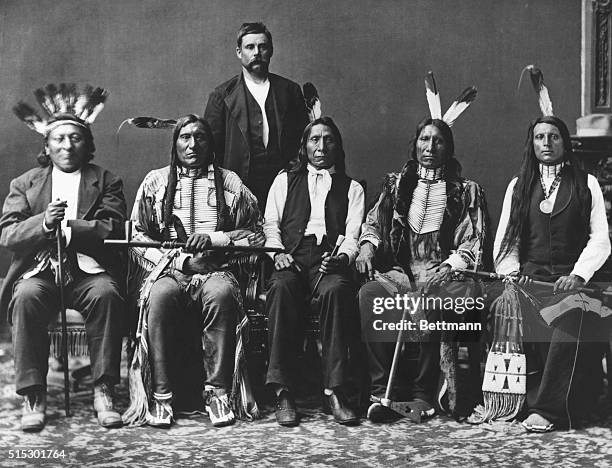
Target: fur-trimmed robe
x,y
464,231
237,218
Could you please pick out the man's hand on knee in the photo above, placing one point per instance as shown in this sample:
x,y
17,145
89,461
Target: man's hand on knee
x,y
283,261
364,261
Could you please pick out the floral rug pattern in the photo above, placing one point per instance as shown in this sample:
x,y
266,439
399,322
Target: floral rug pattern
x,y
317,442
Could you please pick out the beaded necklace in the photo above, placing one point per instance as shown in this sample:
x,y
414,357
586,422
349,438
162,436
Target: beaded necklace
x,y
546,206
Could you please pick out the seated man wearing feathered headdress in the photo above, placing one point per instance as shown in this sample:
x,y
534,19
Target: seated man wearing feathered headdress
x,y
427,221
86,201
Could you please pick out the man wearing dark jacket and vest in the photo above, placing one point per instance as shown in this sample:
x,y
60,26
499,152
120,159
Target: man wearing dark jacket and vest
x,y
256,117
308,208
553,228
86,201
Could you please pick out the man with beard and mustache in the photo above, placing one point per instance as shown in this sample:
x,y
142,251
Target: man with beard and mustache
x,y
256,117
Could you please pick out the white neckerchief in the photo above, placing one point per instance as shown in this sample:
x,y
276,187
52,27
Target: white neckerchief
x,y
260,93
319,185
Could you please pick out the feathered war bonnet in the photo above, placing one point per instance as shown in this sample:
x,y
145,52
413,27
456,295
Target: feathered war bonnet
x,y
63,104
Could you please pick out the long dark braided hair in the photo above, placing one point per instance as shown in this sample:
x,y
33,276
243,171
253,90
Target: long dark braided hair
x,y
222,209
409,179
529,174
409,176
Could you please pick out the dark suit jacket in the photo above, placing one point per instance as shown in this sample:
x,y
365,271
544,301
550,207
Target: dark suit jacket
x,y
227,114
101,213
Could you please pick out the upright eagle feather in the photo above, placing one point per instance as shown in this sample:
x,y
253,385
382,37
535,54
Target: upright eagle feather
x,y
433,96
313,103
461,103
537,81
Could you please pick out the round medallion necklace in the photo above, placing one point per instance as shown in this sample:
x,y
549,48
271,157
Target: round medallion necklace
x,y
546,205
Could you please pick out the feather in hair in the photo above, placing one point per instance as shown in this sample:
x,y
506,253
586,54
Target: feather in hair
x,y
44,101
537,81
71,96
313,103
53,95
461,103
433,96
63,98
29,116
82,100
96,97
149,122
96,104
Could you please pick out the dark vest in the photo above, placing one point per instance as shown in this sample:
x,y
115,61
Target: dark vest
x,y
255,126
297,209
552,243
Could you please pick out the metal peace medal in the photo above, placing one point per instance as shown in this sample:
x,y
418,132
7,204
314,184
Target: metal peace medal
x,y
546,206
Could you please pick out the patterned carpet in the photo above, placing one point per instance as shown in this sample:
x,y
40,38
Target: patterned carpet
x,y
318,441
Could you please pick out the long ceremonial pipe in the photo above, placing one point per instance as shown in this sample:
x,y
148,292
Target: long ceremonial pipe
x,y
497,276
339,242
64,350
177,245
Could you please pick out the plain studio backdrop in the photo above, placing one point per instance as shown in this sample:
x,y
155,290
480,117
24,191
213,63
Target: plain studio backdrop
x,y
367,58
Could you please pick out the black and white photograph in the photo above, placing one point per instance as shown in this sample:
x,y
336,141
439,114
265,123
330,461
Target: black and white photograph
x,y
305,233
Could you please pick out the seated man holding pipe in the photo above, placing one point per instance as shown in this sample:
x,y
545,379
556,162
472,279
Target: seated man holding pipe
x,y
84,203
200,204
309,207
553,228
428,220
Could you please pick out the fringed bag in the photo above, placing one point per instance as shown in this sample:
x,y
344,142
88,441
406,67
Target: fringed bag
x,y
504,386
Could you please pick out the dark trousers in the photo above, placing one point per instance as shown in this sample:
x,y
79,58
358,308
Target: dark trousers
x,y
35,303
286,304
380,354
568,366
215,300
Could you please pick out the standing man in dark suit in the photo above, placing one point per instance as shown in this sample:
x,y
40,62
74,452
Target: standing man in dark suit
x,y
257,117
87,203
